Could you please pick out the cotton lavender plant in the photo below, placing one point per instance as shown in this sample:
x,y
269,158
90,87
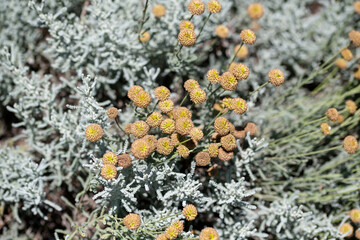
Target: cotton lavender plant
x,y
179,120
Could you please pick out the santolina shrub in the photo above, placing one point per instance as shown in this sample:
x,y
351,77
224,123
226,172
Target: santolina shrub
x,y
201,119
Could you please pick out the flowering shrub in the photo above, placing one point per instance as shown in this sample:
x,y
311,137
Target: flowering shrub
x,y
197,119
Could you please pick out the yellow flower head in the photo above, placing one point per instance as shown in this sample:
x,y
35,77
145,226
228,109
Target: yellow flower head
x,y
196,7
255,11
346,228
144,37
209,234
127,128
124,160
168,126
166,106
139,129
357,10
185,24
242,53
357,73
112,112
248,36
228,142
240,71
198,96
340,119
93,132
162,93
355,215
202,159
251,128
183,151
213,150
189,212
191,84
239,134
142,99
109,158
224,155
154,119
164,146
159,10
332,114
351,145
132,221
183,126
341,63
133,91
228,81
182,112
196,134
179,225
187,37
221,126
171,114
357,232
222,31
325,128
151,139
108,171
226,102
213,76
175,138
347,54
351,106
171,232
276,77
232,127
161,237
213,6
140,149
238,105
354,36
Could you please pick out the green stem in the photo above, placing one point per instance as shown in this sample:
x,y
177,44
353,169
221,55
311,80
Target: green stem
x,y
161,219
315,121
214,91
259,88
306,154
202,28
178,52
289,138
155,106
187,94
233,58
143,18
183,142
118,124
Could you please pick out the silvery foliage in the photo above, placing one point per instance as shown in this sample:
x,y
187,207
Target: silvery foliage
x,y
287,220
22,182
152,221
246,161
76,43
111,53
17,34
162,183
230,195
21,32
